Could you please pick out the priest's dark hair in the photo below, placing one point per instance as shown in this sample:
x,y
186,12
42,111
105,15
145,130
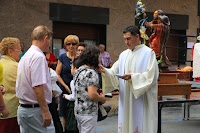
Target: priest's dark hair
x,y
134,30
90,56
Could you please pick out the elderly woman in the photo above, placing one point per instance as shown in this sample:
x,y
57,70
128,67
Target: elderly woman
x,y
86,82
63,70
10,50
3,109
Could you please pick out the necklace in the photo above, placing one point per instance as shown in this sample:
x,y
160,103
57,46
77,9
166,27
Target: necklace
x,y
72,56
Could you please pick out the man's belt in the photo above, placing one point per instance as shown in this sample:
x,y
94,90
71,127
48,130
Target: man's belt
x,y
29,105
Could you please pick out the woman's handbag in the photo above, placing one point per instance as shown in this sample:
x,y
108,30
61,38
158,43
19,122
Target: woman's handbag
x,y
102,114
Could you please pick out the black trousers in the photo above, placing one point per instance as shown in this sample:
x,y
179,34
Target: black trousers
x,y
54,113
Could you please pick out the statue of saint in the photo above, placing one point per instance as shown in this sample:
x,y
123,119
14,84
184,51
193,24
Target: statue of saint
x,y
158,39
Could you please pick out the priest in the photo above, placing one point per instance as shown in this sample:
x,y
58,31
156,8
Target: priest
x,y
135,73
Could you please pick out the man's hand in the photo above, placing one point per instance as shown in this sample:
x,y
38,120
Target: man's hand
x,y
100,69
46,119
127,76
39,93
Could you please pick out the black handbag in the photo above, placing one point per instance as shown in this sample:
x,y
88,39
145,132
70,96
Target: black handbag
x,y
102,114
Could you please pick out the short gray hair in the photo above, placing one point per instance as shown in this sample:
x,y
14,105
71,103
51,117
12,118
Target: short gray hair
x,y
102,45
40,32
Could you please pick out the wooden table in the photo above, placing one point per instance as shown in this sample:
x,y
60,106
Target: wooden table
x,y
169,84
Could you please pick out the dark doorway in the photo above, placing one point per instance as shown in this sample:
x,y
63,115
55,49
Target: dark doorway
x,y
176,48
88,33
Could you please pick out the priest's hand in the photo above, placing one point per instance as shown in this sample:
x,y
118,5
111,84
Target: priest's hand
x,y
100,69
127,76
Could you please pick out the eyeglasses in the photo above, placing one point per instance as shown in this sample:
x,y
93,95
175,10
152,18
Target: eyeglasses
x,y
18,50
71,44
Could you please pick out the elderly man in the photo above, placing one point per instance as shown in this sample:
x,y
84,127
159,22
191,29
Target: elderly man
x,y
137,72
33,85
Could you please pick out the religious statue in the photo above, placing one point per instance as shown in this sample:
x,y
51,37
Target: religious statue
x,y
158,39
160,32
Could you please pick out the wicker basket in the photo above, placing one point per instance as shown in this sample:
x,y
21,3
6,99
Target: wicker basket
x,y
185,75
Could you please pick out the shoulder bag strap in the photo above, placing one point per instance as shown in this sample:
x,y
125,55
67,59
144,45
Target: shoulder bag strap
x,y
78,75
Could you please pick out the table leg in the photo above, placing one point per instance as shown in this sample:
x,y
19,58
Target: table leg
x,y
184,111
188,112
160,105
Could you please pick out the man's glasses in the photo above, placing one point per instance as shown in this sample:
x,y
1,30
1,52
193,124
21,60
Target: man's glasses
x,y
71,44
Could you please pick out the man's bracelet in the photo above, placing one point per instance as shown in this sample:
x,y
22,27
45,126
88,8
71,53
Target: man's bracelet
x,y
2,107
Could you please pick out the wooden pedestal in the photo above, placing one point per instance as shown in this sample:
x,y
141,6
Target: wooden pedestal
x,y
168,85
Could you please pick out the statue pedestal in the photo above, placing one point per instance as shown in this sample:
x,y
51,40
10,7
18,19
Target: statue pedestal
x,y
168,85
